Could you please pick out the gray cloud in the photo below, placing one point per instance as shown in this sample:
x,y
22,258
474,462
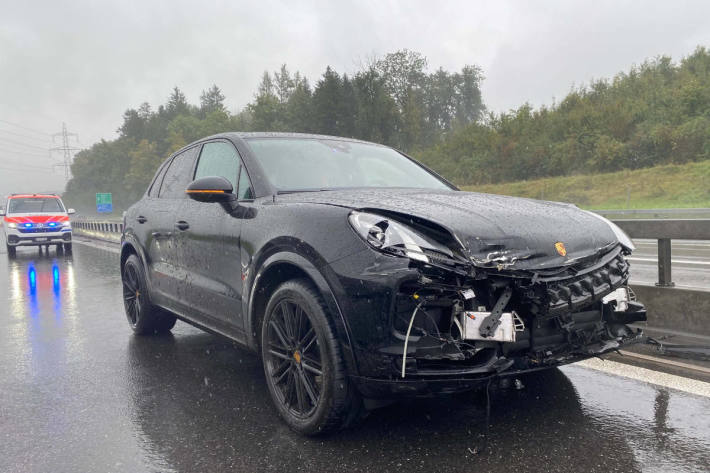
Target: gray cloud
x,y
86,62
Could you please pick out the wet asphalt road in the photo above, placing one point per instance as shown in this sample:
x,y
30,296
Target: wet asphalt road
x,y
79,393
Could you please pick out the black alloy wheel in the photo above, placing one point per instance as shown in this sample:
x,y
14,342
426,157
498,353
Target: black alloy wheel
x,y
294,362
303,362
132,297
143,317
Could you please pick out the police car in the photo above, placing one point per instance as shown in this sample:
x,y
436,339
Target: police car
x,y
36,220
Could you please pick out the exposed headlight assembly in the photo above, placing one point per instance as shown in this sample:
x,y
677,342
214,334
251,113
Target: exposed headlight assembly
x,y
618,232
393,237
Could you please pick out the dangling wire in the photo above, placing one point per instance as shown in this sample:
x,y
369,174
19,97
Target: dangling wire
x,y
406,339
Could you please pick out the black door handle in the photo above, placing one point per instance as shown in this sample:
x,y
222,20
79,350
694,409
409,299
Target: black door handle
x,y
141,219
182,225
157,235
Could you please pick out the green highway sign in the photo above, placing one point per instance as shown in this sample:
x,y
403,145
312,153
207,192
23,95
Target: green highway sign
x,y
104,203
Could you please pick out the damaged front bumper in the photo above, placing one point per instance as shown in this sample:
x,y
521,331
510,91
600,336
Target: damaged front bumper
x,y
440,332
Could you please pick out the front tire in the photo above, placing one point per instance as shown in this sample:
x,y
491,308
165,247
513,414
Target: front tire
x,y
11,251
303,362
67,247
143,317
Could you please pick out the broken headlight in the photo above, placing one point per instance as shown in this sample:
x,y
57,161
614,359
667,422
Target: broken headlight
x,y
618,232
393,237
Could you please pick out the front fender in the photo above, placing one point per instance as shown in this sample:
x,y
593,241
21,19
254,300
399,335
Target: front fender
x,y
312,271
130,244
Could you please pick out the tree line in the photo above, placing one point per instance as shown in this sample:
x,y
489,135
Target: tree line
x,y
656,113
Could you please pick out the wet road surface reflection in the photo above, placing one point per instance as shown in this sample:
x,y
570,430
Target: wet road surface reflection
x,y
79,393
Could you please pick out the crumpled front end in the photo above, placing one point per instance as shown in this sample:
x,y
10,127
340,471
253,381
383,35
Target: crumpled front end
x,y
442,325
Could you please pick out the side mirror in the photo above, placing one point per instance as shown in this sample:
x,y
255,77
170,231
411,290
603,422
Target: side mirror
x,y
2,211
71,211
211,189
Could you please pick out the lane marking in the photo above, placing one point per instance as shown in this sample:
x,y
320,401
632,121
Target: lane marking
x,y
674,261
648,282
671,381
679,242
665,361
112,247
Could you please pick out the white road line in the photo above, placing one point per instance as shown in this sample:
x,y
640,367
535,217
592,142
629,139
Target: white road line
x,y
650,241
665,361
676,243
112,247
692,386
651,282
674,261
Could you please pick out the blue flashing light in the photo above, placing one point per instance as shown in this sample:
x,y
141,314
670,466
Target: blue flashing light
x,y
55,277
27,225
33,278
52,224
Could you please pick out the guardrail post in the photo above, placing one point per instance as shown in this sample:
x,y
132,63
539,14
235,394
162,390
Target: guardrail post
x,y
664,263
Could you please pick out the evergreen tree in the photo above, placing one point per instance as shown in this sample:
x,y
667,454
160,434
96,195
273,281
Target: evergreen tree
x,y
327,103
177,103
212,100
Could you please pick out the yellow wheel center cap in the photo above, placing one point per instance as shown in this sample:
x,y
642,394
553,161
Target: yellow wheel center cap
x,y
297,356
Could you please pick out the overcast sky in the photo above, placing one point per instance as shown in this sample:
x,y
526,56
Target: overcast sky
x,y
84,63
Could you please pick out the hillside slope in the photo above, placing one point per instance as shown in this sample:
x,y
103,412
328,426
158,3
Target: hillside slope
x,y
669,186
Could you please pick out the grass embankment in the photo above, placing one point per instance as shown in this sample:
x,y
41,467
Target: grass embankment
x,y
669,186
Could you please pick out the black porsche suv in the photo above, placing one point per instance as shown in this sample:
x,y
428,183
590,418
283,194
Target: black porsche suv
x,y
359,274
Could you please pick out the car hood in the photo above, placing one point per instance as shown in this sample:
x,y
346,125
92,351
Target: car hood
x,y
495,231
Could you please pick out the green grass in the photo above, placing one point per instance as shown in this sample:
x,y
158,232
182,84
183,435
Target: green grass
x,y
669,186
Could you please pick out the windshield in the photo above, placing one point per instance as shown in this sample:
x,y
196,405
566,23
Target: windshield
x,y
34,205
307,164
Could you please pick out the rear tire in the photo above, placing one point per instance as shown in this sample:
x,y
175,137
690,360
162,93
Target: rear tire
x,y
303,362
11,251
143,317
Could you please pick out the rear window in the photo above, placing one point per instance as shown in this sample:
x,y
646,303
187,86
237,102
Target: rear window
x,y
34,205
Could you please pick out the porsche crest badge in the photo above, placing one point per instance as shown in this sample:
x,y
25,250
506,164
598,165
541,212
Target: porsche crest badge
x,y
560,247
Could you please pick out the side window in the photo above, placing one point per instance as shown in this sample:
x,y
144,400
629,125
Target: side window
x,y
219,159
155,185
244,192
178,175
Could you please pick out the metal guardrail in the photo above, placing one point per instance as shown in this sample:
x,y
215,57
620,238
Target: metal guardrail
x,y
652,211
655,213
664,231
98,225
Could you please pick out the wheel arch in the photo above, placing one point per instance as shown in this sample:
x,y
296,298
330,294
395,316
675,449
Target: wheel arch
x,y
279,268
130,247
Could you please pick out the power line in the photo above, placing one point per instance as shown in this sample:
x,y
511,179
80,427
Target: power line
x,y
25,128
19,143
35,138
23,163
24,152
25,168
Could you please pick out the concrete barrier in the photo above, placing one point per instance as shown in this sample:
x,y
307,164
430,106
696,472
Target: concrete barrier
x,y
676,308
